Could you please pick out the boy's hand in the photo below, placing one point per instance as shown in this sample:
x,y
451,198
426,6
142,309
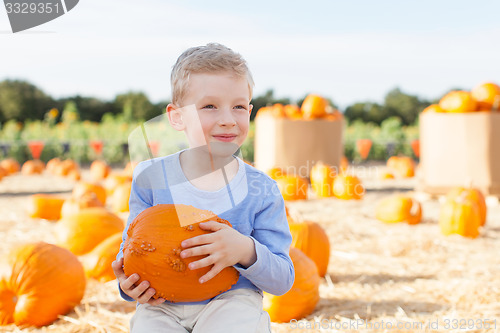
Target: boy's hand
x,y
224,247
142,293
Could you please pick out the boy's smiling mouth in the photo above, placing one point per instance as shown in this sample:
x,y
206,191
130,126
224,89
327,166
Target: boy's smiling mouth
x,y
225,137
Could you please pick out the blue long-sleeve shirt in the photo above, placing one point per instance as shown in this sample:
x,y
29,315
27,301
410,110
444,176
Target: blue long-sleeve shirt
x,y
251,202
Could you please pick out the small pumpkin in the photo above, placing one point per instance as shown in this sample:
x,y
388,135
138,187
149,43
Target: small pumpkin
x,y
276,172
74,205
487,96
83,231
434,108
475,195
292,111
458,101
42,282
46,206
99,170
399,208
97,263
65,167
313,106
120,198
311,238
302,298
83,187
322,177
113,180
152,249
401,166
348,187
11,165
32,167
292,187
461,216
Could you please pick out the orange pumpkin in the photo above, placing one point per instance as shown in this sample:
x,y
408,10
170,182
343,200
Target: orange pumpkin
x,y
292,111
75,205
386,175
322,177
82,187
32,167
313,106
114,180
121,197
276,172
461,216
83,231
97,263
475,195
302,298
401,166
311,238
3,173
152,249
292,187
348,187
399,208
65,167
458,101
46,206
487,96
11,165
52,164
129,168
344,164
99,170
433,108
42,282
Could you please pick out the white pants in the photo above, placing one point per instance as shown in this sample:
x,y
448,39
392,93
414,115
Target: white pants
x,y
237,310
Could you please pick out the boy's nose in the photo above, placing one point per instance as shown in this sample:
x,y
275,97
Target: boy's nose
x,y
226,118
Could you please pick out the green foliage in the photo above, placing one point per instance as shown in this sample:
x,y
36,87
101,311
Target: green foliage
x,y
265,100
136,105
20,100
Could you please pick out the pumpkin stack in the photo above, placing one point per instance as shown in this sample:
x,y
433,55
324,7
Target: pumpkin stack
x,y
313,107
483,97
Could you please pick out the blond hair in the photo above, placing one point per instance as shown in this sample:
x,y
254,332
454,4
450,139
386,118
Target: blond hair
x,y
211,58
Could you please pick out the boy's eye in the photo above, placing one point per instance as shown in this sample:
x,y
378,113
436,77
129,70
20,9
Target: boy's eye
x,y
209,106
240,107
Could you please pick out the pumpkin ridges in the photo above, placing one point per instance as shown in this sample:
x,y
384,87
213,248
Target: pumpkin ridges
x,y
47,280
155,256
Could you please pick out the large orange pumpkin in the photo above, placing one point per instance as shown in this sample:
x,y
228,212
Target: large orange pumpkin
x,y
41,281
348,187
311,238
399,208
487,96
153,246
475,195
461,216
83,231
81,188
302,298
292,187
322,177
11,165
97,263
458,101
313,106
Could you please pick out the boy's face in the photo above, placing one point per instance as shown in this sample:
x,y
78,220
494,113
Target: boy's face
x,y
216,112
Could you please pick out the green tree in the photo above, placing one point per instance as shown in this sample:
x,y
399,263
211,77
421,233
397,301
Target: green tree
x,y
366,112
20,100
137,104
405,106
90,108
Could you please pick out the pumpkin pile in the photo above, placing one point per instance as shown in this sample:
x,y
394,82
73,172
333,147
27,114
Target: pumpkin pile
x,y
153,246
313,107
483,97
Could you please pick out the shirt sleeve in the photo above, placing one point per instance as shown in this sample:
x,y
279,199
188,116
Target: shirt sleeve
x,y
140,199
273,271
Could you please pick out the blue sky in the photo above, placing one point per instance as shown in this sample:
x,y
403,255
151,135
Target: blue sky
x,y
346,50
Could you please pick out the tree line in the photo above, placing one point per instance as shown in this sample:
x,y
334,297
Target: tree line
x,y
21,101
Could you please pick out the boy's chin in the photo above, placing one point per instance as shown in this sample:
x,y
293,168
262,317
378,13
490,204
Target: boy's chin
x,y
222,149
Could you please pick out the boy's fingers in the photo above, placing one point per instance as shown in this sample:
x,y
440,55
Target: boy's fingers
x,y
117,266
129,283
213,272
146,296
158,301
212,225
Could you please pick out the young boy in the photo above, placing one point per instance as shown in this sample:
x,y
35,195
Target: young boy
x,y
211,93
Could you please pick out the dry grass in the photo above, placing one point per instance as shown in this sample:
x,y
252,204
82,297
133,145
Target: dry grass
x,y
380,276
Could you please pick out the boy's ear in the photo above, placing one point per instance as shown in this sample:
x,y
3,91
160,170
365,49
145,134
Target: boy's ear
x,y
175,117
250,108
